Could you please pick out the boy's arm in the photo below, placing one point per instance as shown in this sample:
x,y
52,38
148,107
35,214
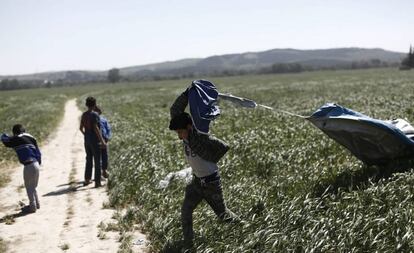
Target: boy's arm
x,y
81,126
109,130
38,154
179,104
97,130
99,134
6,140
208,147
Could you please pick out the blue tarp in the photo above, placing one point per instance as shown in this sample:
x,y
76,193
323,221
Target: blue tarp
x,y
373,141
202,98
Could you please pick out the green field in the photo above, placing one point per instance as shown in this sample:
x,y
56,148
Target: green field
x,y
295,189
277,170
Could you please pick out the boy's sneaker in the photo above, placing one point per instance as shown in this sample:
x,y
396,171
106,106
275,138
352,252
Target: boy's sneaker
x,y
28,209
86,182
105,174
38,206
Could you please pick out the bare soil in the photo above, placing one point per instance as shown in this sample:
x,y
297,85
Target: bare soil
x,y
71,217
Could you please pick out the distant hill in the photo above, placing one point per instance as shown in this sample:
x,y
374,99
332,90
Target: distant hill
x,y
164,66
249,61
256,60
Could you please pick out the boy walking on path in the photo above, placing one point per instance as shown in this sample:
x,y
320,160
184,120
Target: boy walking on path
x,y
29,155
90,128
202,152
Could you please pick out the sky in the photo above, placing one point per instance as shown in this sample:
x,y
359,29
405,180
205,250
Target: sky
x,y
52,35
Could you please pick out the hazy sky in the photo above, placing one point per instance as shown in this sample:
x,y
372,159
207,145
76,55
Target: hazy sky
x,y
45,35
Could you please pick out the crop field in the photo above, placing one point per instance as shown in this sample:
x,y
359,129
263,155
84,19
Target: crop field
x,y
39,111
295,189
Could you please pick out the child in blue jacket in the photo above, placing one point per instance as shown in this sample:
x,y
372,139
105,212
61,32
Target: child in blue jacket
x,y
29,155
106,132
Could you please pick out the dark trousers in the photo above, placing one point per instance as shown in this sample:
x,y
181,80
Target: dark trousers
x,y
93,156
195,192
104,157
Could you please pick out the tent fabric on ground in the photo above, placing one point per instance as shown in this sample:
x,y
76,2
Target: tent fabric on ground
x,y
202,98
373,141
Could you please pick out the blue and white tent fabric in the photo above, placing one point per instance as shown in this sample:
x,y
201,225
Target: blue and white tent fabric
x,y
202,98
371,140
243,102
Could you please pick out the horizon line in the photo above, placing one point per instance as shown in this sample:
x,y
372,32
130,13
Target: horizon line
x,y
180,59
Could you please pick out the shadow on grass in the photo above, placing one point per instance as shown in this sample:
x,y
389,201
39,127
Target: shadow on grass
x,y
351,180
176,247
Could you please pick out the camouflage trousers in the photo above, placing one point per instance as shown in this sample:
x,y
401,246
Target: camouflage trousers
x,y
195,192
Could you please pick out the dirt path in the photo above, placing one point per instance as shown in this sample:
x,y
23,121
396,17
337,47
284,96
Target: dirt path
x,y
70,215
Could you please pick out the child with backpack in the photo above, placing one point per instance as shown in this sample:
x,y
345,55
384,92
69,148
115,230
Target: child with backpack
x,y
106,132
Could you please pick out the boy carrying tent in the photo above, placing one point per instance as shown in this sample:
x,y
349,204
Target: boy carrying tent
x,y
202,152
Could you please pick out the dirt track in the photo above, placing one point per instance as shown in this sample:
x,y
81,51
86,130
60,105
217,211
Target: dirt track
x,y
70,213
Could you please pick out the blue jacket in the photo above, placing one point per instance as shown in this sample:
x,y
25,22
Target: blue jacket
x,y
105,128
25,146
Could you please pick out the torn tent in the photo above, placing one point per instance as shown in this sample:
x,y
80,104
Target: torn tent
x,y
371,140
202,98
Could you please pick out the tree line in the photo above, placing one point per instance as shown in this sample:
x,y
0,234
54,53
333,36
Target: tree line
x,y
277,68
408,62
114,75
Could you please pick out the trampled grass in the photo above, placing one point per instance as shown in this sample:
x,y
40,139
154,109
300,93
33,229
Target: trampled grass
x,y
277,170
